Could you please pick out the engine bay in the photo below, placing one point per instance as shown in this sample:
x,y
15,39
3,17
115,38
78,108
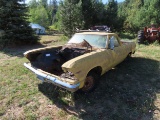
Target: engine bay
x,y
52,60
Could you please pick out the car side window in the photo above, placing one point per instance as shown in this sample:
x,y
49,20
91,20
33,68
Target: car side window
x,y
113,42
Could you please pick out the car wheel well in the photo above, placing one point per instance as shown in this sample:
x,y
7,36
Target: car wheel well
x,y
97,70
91,80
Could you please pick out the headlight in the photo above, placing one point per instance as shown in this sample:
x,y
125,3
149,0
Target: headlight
x,y
69,75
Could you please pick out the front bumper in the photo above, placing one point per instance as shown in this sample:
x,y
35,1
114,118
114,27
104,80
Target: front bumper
x,y
45,77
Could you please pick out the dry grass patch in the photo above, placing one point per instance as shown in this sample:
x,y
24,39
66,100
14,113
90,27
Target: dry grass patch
x,y
53,39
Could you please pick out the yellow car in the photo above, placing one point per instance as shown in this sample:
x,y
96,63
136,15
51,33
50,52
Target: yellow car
x,y
79,63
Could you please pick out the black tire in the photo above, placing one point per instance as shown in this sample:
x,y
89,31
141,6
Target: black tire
x,y
140,37
158,34
90,83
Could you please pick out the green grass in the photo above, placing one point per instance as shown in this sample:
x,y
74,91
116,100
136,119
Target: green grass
x,y
53,39
130,91
127,35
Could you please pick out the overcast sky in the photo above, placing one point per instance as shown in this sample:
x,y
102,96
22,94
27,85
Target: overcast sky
x,y
104,1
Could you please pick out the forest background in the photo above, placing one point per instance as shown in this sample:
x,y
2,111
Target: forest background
x,y
66,15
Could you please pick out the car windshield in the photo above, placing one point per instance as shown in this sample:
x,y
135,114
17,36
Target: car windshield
x,y
94,40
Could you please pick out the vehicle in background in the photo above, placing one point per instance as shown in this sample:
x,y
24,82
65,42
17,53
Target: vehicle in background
x,y
101,28
149,34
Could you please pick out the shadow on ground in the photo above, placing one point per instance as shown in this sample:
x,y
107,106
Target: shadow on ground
x,y
18,51
127,92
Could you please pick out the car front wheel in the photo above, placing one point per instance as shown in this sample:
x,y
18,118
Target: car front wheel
x,y
90,83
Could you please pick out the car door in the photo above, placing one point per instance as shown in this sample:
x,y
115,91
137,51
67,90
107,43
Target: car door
x,y
108,57
118,50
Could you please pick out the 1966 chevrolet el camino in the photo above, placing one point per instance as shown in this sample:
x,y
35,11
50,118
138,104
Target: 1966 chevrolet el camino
x,y
78,64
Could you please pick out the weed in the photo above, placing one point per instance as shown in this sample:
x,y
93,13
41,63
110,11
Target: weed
x,y
30,116
127,36
47,118
62,113
64,38
156,43
73,118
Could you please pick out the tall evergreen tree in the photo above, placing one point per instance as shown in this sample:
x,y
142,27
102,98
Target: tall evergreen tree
x,y
70,17
13,22
33,4
93,12
44,3
121,16
112,17
52,10
88,12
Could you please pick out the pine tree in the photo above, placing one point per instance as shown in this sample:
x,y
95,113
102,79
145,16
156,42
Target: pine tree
x,y
52,10
70,17
112,10
14,23
33,4
93,12
44,3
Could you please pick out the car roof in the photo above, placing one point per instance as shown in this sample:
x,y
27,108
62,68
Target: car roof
x,y
97,33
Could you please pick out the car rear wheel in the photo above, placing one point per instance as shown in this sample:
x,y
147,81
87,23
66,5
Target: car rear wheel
x,y
140,36
90,83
